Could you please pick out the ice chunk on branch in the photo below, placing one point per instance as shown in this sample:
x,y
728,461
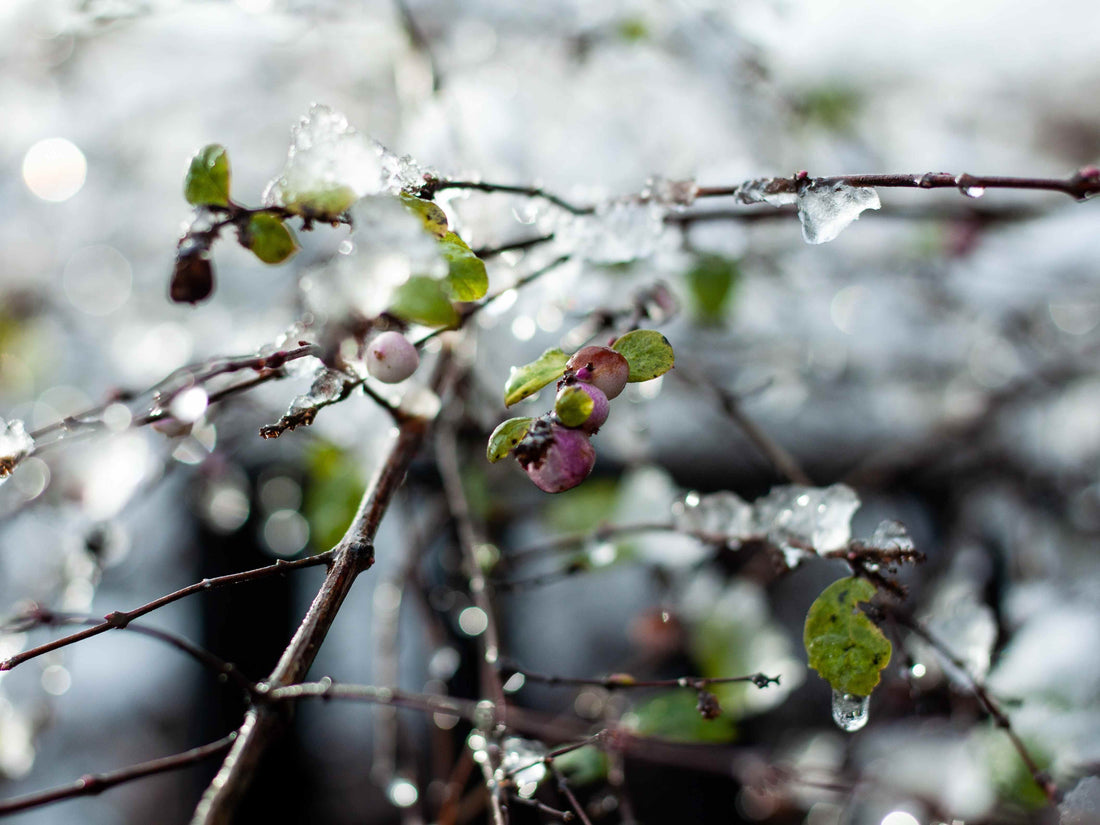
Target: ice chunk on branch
x,y
826,209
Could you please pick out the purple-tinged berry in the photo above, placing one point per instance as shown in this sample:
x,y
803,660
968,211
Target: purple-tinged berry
x,y
600,405
554,457
391,358
602,367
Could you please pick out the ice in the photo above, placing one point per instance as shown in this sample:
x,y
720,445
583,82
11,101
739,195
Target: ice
x,y
1081,805
801,520
527,756
826,209
675,194
15,445
850,712
757,191
893,536
722,513
330,165
325,389
618,231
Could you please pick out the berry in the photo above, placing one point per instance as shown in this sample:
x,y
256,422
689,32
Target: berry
x,y
556,458
600,405
391,358
602,367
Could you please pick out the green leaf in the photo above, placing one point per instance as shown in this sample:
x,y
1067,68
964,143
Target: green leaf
x,y
326,204
530,378
583,508
467,279
434,218
647,351
505,438
269,238
423,300
711,282
573,406
845,646
207,181
583,766
673,715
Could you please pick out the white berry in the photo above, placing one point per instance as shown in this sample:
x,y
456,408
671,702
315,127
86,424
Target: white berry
x,y
391,358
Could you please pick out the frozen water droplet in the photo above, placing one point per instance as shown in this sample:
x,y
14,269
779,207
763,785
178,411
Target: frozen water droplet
x,y
974,191
825,210
527,757
891,535
675,194
850,711
15,445
721,513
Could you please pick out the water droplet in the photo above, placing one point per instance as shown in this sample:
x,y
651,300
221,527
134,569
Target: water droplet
x,y
974,191
850,711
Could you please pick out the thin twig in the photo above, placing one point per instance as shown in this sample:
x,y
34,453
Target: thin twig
x,y
92,784
625,680
120,618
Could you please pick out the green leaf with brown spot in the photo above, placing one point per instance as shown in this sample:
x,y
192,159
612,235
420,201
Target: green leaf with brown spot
x,y
434,218
843,645
207,180
505,438
647,351
269,238
530,378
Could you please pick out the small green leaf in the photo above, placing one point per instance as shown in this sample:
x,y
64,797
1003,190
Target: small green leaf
x,y
467,279
647,351
434,218
505,438
712,281
845,646
207,181
269,238
573,406
423,300
530,378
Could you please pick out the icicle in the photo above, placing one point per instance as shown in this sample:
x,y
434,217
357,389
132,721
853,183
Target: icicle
x,y
849,711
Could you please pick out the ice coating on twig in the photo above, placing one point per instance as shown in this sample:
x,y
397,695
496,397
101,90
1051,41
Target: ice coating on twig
x,y
800,520
15,445
721,513
826,209
617,231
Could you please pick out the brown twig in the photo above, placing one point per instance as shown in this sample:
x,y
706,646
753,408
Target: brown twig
x,y
92,784
121,618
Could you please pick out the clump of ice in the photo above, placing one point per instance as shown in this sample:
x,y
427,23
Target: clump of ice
x,y
617,231
892,535
758,191
15,445
721,514
674,194
826,209
524,757
801,519
330,165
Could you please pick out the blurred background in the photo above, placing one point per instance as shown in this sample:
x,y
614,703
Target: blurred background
x,y
938,357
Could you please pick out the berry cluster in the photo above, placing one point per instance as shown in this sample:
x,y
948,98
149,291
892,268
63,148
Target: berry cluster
x,y
556,452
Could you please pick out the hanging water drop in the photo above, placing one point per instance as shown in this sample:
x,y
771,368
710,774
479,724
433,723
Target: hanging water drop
x,y
974,191
850,711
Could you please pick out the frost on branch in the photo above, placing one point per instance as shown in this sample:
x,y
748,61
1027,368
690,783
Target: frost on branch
x,y
825,210
330,165
617,231
15,445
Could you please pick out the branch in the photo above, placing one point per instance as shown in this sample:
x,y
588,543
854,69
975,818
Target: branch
x,y
625,680
92,784
120,618
352,555
1000,718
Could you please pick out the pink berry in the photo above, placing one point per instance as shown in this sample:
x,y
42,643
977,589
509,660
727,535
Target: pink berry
x,y
391,358
602,367
556,458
